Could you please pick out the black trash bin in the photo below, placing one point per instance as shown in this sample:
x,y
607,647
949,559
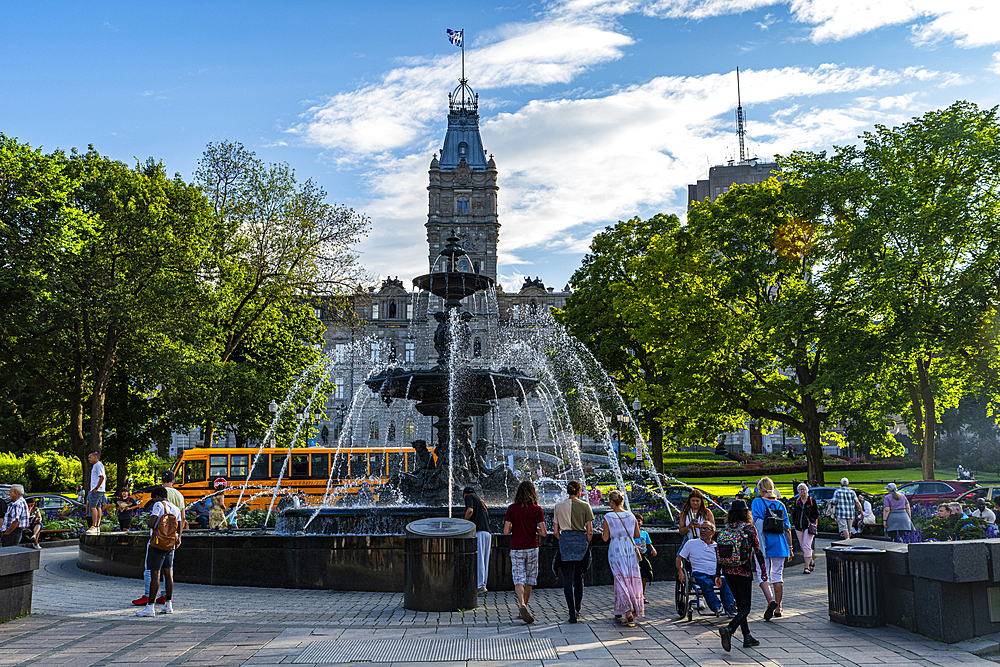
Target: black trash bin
x,y
854,585
440,566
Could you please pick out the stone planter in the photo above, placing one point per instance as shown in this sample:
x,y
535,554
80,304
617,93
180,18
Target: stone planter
x,y
17,569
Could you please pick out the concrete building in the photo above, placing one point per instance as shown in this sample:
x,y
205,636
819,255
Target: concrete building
x,y
724,176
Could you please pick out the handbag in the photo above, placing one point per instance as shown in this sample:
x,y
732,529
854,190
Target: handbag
x,y
813,528
638,552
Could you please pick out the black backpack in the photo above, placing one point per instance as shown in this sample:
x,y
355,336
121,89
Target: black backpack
x,y
774,519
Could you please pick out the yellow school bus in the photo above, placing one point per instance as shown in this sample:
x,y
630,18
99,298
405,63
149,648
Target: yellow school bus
x,y
307,469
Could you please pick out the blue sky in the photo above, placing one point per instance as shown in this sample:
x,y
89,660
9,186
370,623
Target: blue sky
x,y
595,110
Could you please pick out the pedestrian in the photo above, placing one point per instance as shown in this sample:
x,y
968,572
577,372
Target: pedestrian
x,y
35,522
646,549
737,544
96,499
173,495
166,523
770,518
743,492
845,502
81,494
957,509
694,515
16,518
201,510
621,528
126,505
701,553
573,525
475,511
217,513
984,513
943,511
896,514
525,523
805,521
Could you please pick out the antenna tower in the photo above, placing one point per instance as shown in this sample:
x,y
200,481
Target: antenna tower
x,y
740,130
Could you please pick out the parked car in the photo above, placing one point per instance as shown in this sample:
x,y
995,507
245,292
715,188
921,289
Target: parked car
x,y
989,493
51,503
678,494
936,490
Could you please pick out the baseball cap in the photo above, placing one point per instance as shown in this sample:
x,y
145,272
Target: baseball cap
x,y
467,490
891,486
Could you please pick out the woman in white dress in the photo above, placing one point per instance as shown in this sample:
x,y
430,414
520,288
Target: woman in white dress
x,y
622,529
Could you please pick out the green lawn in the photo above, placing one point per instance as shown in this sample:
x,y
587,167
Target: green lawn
x,y
716,486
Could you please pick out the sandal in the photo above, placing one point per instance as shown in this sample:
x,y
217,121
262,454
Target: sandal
x,y
629,619
806,571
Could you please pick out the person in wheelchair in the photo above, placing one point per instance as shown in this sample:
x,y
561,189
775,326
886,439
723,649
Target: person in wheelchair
x,y
705,570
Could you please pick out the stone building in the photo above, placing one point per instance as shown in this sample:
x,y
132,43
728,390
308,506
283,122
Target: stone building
x,y
721,177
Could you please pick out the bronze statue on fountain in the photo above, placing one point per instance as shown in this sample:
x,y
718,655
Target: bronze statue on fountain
x,y
452,390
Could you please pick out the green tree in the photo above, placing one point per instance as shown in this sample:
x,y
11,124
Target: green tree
x,y
279,245
916,211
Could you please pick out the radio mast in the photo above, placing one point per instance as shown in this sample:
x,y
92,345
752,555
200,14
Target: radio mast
x,y
740,130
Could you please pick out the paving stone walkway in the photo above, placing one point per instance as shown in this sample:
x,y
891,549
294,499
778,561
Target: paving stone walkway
x,y
83,619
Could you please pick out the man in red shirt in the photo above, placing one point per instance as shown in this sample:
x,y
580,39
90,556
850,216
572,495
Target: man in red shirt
x,y
524,522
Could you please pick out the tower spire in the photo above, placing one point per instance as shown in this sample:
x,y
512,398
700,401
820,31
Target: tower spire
x,y
740,130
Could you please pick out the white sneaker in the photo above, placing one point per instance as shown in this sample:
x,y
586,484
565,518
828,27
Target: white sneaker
x,y
167,608
482,590
148,610
93,531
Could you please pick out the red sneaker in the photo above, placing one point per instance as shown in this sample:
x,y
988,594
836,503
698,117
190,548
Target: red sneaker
x,y
161,600
141,601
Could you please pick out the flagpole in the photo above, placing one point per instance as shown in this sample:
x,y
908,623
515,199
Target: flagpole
x,y
463,54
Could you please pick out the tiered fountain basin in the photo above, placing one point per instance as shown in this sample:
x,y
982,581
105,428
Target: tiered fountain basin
x,y
330,562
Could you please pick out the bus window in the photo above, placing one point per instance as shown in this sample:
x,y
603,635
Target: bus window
x,y
260,468
359,466
376,465
194,471
396,462
239,465
299,466
342,468
218,465
320,466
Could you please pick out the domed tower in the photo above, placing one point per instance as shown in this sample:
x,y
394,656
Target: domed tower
x,y
462,190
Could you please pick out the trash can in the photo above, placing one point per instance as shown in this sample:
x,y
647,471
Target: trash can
x,y
440,565
854,586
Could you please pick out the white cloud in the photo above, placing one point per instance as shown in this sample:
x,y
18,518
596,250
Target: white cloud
x,y
995,67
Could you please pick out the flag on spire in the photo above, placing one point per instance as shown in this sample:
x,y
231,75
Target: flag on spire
x,y
455,36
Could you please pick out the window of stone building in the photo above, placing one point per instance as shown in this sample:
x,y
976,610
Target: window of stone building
x,y
410,352
463,206
409,311
463,265
477,348
373,429
517,430
391,433
392,352
463,149
409,429
376,352
319,313
374,311
476,267
392,310
338,390
340,353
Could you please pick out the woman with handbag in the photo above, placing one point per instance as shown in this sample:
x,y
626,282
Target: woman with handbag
x,y
622,529
694,514
896,515
805,520
770,518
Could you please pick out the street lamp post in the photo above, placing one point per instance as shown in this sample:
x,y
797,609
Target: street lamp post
x,y
272,407
623,419
636,405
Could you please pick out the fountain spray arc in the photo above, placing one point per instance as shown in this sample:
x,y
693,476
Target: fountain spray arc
x,y
453,391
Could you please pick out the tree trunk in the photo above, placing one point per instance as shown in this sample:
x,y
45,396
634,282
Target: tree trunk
x,y
101,382
122,471
930,418
655,442
918,414
814,446
209,434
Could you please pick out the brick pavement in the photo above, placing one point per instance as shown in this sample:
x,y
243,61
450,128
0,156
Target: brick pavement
x,y
85,620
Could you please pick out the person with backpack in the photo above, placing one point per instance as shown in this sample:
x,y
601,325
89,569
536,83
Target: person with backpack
x,y
736,544
770,518
166,522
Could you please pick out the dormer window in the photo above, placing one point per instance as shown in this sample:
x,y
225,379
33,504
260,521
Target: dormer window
x,y
463,150
463,206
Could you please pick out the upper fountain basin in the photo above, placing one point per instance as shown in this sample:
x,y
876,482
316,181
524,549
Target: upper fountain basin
x,y
453,286
474,386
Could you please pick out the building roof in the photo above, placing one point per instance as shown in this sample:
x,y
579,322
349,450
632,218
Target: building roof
x,y
462,141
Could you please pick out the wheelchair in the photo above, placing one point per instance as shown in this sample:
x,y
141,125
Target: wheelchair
x,y
687,597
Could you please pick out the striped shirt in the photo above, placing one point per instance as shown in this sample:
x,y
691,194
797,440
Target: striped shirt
x,y
16,511
845,500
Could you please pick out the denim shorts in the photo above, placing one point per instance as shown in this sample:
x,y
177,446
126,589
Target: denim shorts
x,y
97,499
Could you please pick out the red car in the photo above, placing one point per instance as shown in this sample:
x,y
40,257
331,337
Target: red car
x,y
935,490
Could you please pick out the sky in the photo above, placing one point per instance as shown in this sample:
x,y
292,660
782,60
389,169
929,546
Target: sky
x,y
594,110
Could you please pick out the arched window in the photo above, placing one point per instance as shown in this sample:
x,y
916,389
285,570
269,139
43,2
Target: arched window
x,y
338,426
392,310
409,429
463,149
463,265
373,429
477,348
391,434
534,307
518,431
463,206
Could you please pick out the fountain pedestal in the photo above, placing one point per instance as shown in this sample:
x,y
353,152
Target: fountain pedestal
x,y
440,565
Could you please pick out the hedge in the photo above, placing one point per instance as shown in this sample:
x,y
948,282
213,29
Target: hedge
x,y
56,473
759,470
